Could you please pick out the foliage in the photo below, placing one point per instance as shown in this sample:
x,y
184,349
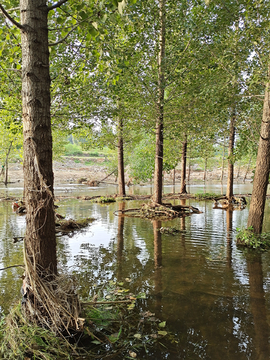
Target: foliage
x,y
142,160
73,149
247,237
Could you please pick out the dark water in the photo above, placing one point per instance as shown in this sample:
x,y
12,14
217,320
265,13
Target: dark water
x,y
213,296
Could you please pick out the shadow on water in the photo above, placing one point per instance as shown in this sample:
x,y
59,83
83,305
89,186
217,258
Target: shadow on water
x,y
214,297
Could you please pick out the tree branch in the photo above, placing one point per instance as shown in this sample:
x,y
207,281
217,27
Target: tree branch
x,y
56,5
14,22
64,38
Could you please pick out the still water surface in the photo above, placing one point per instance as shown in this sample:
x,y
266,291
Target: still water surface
x,y
213,295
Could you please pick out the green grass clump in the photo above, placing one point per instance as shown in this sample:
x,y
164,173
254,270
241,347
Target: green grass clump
x,y
247,237
205,196
105,200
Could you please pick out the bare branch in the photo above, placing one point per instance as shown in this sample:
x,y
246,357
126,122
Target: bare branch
x,y
56,5
64,38
14,22
12,266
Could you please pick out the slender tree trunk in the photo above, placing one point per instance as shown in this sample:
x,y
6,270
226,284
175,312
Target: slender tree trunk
x,y
121,168
247,170
205,169
229,191
40,242
6,164
261,178
238,171
183,189
189,167
173,174
157,194
222,166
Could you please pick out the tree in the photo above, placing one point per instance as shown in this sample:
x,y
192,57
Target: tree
x,y
261,178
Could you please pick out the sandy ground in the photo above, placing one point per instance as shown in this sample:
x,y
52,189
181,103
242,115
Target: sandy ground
x,y
70,171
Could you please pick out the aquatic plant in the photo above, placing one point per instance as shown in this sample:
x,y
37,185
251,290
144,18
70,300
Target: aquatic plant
x,y
247,237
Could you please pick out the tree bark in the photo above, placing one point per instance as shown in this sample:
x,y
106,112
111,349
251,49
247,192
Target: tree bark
x,y
40,241
229,191
157,193
261,178
121,168
183,189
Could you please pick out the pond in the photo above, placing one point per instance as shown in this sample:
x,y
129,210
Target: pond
x,y
214,296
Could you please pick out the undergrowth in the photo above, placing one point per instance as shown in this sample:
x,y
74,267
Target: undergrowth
x,y
112,327
247,237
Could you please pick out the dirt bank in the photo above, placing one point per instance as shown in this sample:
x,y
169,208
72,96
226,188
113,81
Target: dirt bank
x,y
70,171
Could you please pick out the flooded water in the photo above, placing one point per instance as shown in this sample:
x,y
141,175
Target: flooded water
x,y
213,296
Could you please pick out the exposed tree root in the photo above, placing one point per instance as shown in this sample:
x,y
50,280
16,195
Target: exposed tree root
x,y
154,210
50,301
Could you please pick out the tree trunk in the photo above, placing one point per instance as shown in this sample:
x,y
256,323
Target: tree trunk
x,y
173,180
247,170
40,241
261,178
229,191
189,167
6,164
157,194
183,189
121,169
222,166
205,169
238,171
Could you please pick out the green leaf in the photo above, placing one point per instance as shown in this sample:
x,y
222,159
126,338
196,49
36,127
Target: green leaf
x,y
163,333
162,324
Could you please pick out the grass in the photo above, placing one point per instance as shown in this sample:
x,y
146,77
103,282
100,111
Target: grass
x,y
205,196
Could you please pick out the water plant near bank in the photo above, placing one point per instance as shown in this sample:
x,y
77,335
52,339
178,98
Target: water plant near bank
x,y
247,237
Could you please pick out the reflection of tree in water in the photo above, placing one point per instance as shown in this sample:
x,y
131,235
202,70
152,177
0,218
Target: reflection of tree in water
x,y
158,288
120,241
229,214
11,225
258,306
